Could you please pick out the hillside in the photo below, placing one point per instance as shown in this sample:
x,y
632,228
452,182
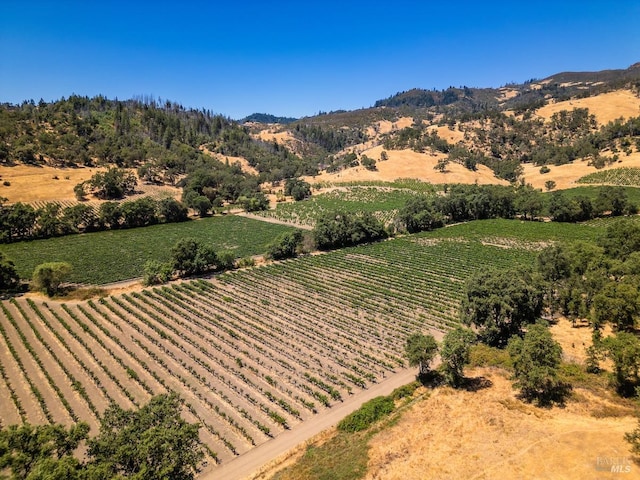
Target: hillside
x,y
506,129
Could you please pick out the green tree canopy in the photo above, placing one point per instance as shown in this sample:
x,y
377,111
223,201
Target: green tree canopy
x,y
499,303
189,256
112,183
536,359
420,350
454,353
285,245
624,351
47,277
41,451
150,443
297,188
9,278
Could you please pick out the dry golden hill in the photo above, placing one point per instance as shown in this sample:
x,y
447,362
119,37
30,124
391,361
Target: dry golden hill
x,y
606,107
410,164
491,434
566,176
31,184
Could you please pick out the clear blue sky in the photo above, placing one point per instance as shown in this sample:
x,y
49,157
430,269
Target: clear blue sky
x,y
295,58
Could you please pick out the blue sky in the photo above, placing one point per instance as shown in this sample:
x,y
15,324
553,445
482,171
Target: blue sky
x,y
295,58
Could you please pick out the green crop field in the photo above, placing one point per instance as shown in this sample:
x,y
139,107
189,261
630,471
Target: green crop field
x,y
521,231
383,202
402,183
104,257
625,176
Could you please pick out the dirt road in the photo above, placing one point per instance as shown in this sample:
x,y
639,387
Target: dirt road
x,y
274,220
241,467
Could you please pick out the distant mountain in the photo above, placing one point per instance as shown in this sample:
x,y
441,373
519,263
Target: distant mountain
x,y
605,76
268,118
560,86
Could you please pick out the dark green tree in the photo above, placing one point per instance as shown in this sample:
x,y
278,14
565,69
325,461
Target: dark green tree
x,y
623,349
621,239
190,257
200,204
285,245
151,443
536,359
113,183
139,213
49,223
79,217
110,215
341,229
156,273
297,188
9,278
499,303
41,451
617,303
419,214
171,211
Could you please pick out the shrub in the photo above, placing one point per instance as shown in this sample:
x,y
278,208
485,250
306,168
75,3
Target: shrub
x,y
156,273
48,277
285,246
369,413
404,391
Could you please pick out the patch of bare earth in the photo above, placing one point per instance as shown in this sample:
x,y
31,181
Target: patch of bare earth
x,y
491,434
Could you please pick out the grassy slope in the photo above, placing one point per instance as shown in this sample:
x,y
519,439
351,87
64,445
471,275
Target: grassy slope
x,y
111,256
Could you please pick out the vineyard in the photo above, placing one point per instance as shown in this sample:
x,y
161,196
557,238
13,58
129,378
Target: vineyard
x,y
253,352
382,202
625,176
114,255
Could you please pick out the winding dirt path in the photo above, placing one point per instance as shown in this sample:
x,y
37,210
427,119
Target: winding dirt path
x,y
243,466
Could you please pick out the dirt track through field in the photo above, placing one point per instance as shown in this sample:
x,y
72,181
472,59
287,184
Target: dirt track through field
x,y
274,220
244,465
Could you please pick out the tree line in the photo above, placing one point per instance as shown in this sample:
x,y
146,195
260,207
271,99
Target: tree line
x,y
479,202
21,221
162,136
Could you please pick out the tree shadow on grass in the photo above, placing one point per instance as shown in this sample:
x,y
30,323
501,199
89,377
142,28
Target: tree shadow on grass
x,y
430,379
476,383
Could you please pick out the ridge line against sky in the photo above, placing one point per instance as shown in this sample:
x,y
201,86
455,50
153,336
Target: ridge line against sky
x,y
298,58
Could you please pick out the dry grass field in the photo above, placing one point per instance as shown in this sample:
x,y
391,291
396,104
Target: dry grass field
x,y
491,434
29,184
606,107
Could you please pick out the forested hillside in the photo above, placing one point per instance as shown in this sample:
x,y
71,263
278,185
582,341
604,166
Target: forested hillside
x,y
165,138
